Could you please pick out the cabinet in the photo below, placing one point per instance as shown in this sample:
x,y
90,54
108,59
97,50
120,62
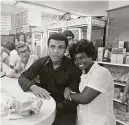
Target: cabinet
x,y
120,74
88,28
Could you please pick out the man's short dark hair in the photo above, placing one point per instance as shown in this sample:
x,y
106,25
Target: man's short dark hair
x,y
83,46
68,33
58,36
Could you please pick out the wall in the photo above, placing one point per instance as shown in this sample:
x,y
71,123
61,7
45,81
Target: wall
x,y
116,3
10,11
119,26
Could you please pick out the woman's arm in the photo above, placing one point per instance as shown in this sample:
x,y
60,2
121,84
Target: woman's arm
x,y
98,83
86,96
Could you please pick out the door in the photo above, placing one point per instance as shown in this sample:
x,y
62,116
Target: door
x,y
37,39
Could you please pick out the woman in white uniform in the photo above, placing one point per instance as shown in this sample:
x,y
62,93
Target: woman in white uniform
x,y
96,88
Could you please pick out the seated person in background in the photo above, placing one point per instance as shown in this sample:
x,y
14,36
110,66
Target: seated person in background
x,y
96,87
4,56
25,62
13,55
57,74
70,37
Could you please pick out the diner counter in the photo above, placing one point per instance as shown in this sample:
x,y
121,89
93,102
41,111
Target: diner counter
x,y
47,112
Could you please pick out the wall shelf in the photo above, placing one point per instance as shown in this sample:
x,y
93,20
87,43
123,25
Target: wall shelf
x,y
117,83
108,63
123,123
118,100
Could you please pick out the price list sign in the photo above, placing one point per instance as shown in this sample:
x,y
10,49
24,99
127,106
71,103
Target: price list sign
x,y
21,19
5,24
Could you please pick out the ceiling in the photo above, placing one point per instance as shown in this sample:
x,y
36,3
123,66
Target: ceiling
x,y
82,8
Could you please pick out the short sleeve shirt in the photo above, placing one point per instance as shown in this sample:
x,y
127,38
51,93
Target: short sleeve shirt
x,y
100,110
20,67
13,58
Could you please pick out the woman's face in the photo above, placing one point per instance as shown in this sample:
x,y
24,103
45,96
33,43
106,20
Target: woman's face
x,y
82,61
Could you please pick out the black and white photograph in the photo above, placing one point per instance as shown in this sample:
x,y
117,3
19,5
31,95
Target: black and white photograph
x,y
64,62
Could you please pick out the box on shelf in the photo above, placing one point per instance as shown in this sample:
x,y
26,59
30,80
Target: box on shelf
x,y
121,44
118,50
117,93
100,53
127,60
120,106
114,58
124,44
118,55
121,58
122,118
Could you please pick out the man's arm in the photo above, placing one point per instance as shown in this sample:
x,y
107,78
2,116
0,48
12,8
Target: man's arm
x,y
75,74
27,81
26,78
73,82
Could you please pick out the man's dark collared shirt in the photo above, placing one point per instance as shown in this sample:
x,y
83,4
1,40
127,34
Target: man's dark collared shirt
x,y
53,80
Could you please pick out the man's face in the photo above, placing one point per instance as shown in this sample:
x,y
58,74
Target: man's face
x,y
56,50
70,40
24,53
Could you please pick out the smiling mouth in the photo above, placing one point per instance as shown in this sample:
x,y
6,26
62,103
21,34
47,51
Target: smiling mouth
x,y
80,65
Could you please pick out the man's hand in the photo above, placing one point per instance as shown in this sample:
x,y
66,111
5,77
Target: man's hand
x,y
40,92
67,92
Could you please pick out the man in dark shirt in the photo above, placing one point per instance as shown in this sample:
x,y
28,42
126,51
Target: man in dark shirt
x,y
57,73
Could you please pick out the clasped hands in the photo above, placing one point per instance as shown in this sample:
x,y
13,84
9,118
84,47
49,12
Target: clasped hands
x,y
44,94
67,93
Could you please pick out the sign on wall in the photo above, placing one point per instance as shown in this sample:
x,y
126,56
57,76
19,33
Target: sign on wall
x,y
5,23
21,19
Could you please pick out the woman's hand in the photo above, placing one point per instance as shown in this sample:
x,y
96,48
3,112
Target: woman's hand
x,y
67,93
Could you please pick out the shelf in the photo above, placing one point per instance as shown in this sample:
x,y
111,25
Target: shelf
x,y
118,100
117,83
107,63
123,123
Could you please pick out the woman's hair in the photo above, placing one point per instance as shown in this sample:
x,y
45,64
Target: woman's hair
x,y
68,33
58,36
9,45
83,46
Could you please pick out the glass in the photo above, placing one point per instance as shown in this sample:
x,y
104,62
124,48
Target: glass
x,y
21,52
